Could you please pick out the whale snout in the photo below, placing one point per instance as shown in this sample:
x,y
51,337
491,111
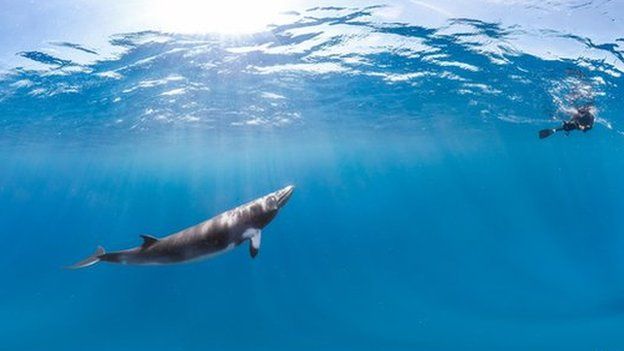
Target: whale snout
x,y
283,195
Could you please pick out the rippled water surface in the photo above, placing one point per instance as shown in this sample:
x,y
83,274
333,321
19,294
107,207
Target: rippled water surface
x,y
427,214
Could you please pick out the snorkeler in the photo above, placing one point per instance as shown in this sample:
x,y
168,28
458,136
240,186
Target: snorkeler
x,y
582,119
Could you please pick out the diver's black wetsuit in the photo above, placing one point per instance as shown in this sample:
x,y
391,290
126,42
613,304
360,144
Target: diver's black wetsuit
x,y
583,120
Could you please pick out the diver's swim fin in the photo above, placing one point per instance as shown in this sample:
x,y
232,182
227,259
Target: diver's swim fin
x,y
91,260
545,133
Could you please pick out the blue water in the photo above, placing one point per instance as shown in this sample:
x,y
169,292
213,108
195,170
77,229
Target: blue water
x,y
427,214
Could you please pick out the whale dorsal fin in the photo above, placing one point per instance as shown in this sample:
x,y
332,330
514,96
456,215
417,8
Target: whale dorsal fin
x,y
254,244
148,241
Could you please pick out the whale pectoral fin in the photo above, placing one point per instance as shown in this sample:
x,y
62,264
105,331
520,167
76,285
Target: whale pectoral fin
x,y
148,241
254,244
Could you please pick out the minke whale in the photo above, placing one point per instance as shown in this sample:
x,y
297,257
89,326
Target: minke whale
x,y
209,238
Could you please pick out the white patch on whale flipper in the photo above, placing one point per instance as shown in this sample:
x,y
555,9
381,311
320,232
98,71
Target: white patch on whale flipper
x,y
250,233
254,235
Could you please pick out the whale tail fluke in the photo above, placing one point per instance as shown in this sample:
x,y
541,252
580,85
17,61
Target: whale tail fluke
x,y
91,260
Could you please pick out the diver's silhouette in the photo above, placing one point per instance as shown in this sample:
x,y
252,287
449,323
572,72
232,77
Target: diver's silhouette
x,y
583,120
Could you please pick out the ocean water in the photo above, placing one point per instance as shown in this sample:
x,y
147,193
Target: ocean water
x,y
427,214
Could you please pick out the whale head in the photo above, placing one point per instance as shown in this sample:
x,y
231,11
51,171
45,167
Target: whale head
x,y
277,199
260,212
281,197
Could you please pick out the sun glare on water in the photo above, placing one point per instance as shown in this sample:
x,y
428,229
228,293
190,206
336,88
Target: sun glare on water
x,y
227,16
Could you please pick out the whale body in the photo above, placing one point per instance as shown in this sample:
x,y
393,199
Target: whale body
x,y
209,238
